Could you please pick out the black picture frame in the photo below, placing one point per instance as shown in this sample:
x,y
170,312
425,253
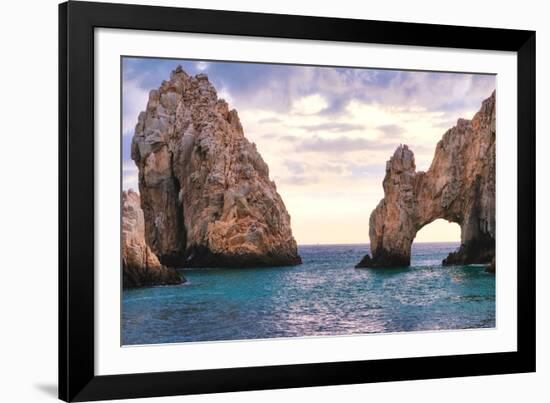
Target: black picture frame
x,y
77,379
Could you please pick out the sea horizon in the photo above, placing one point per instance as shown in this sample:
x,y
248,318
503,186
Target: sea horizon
x,y
368,243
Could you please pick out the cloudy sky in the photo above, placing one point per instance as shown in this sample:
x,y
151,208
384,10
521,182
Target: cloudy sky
x,y
326,133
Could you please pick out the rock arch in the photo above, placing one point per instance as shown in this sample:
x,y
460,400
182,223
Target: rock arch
x,y
459,186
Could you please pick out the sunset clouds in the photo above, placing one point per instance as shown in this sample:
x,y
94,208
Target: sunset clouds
x,y
325,133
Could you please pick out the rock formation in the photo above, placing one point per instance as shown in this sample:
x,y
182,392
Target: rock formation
x,y
140,266
459,186
205,189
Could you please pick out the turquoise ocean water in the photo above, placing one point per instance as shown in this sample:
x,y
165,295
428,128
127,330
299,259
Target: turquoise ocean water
x,y
325,295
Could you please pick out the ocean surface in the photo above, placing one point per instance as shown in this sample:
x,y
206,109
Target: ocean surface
x,y
325,295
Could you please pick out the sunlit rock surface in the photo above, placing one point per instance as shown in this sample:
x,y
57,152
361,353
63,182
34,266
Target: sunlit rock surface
x,y
459,186
205,190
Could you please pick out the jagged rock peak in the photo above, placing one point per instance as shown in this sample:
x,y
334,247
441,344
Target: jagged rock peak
x,y
140,266
459,186
402,159
206,192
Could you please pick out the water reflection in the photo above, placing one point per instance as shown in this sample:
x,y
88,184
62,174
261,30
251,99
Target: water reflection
x,y
323,296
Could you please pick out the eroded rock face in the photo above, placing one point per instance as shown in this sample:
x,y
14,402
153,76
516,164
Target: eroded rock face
x,y
459,186
140,266
205,189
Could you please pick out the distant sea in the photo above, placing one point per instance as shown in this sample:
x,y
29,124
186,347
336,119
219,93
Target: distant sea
x,y
324,296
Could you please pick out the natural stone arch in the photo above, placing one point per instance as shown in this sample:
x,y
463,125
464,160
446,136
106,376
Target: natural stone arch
x,y
459,186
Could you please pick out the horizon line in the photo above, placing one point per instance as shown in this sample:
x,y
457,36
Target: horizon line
x,y
365,243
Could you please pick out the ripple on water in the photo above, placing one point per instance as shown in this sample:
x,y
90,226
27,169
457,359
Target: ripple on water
x,y
323,296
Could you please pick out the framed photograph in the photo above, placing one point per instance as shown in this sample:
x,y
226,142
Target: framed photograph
x,y
257,201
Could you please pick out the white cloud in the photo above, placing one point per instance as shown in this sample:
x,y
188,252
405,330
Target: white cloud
x,y
135,100
309,105
224,94
202,66
130,181
129,176
129,166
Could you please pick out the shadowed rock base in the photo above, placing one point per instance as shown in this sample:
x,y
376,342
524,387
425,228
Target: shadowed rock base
x,y
203,257
133,277
384,259
481,251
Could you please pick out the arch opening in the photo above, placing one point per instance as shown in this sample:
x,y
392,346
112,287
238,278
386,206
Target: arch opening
x,y
439,230
434,242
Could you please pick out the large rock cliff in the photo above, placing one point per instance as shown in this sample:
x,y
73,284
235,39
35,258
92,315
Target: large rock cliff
x,y
459,186
205,189
140,266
